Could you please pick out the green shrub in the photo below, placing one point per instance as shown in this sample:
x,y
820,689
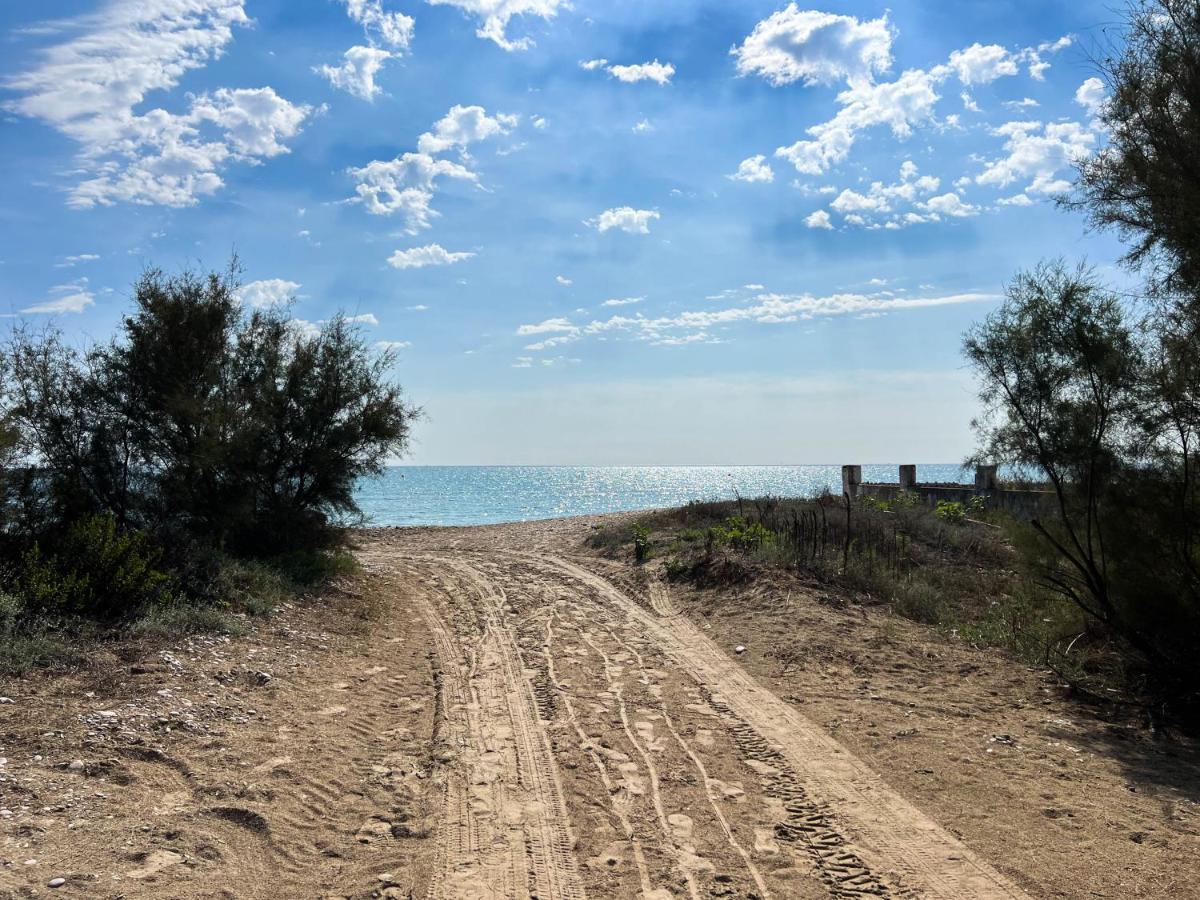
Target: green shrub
x,y
641,542
951,511
98,571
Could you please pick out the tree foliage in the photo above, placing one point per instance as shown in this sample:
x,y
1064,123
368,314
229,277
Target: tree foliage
x,y
1103,397
202,424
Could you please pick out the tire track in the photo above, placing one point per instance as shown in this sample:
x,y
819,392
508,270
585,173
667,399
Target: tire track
x,y
882,841
505,831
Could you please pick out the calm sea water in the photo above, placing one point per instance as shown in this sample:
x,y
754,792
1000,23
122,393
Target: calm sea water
x,y
481,495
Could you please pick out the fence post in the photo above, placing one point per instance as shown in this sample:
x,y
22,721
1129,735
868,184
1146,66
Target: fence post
x,y
851,479
985,479
908,478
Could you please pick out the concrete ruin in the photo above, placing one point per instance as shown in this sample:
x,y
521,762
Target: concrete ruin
x,y
1024,503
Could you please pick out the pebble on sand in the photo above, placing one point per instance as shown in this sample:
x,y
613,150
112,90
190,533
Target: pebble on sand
x,y
56,882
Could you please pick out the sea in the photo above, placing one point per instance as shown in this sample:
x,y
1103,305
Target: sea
x,y
485,495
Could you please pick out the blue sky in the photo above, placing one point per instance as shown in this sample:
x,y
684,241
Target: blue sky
x,y
605,231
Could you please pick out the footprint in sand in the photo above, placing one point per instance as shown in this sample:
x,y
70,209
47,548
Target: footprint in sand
x,y
155,862
764,841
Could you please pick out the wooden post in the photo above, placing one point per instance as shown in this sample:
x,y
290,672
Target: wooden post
x,y
908,478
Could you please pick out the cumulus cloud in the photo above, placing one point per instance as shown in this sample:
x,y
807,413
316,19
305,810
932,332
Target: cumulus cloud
x,y
268,292
1037,152
901,105
896,205
405,186
363,319
819,219
655,71
461,126
356,74
496,14
429,255
392,28
754,169
626,218
88,87
1091,96
564,281
979,64
950,204
623,301
816,47
390,346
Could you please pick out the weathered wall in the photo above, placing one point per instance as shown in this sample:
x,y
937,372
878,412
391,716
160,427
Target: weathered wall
x,y
1021,503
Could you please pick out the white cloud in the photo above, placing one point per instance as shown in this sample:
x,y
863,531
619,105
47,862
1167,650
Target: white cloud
x,y
523,362
538,122
1015,200
549,326
254,120
900,104
591,65
979,64
626,218
950,204
565,282
818,47
660,73
879,204
356,75
363,319
625,301
767,309
1023,104
819,219
405,185
72,297
496,14
392,345
429,255
1091,96
461,126
70,261
392,28
1033,56
268,292
1038,152
642,127
754,169
89,86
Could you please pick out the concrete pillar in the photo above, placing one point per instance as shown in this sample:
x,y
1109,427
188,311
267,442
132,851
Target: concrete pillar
x,y
908,478
985,479
851,479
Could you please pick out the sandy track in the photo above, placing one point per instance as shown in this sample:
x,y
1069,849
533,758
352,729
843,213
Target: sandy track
x,y
601,745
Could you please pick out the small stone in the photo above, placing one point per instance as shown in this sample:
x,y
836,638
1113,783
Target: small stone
x,y
76,765
56,882
739,649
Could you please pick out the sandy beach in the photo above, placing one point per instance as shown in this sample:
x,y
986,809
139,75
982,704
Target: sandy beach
x,y
499,712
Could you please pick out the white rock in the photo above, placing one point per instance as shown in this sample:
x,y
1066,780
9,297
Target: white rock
x,y
739,649
75,765
56,882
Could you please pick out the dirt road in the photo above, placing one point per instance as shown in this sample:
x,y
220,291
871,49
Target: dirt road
x,y
496,713
595,742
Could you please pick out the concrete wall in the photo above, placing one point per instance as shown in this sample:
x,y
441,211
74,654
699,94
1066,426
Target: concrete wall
x,y
1024,504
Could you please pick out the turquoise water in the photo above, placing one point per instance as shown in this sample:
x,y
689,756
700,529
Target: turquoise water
x,y
481,495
